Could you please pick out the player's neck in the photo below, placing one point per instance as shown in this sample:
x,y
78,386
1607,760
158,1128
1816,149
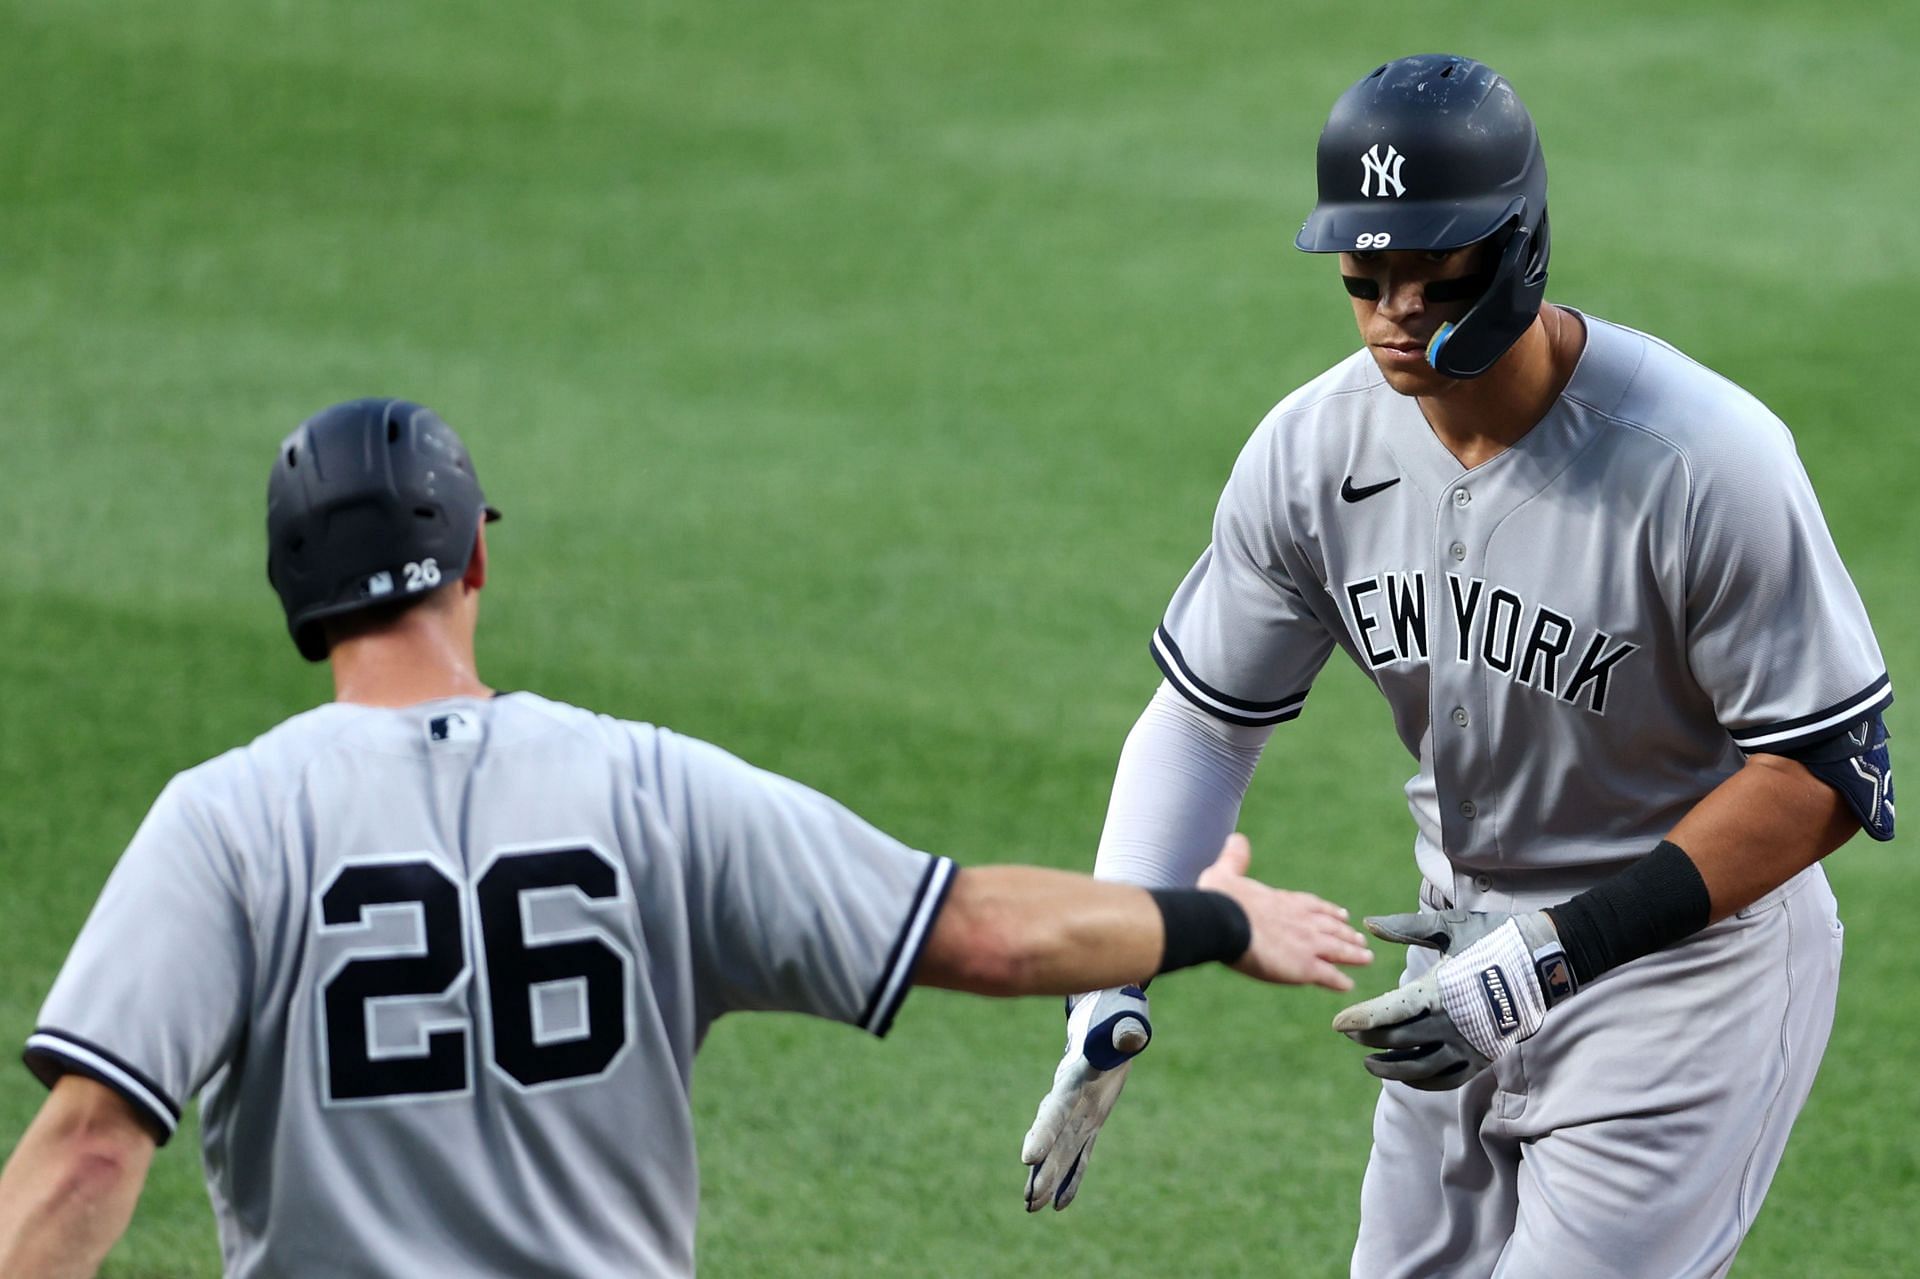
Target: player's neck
x,y
1479,419
418,660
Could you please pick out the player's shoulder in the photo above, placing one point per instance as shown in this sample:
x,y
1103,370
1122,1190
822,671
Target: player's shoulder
x,y
253,767
508,718
282,758
521,716
1331,400
651,751
249,790
1676,403
1319,419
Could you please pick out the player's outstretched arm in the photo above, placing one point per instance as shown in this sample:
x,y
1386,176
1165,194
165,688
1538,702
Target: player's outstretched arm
x,y
68,1190
1022,930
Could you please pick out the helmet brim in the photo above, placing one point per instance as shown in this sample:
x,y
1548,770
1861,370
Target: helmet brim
x,y
1428,225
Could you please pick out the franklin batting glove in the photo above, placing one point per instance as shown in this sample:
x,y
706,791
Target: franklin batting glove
x,y
1501,974
1105,1031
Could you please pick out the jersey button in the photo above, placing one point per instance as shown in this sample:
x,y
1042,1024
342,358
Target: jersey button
x,y
1461,497
1458,550
1483,883
1460,716
1469,809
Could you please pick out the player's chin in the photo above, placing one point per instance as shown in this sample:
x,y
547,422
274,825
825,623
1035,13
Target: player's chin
x,y
1407,371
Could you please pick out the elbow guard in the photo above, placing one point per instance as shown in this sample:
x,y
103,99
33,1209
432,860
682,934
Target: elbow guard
x,y
1853,759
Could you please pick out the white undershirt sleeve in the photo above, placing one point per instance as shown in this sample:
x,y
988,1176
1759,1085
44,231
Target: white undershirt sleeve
x,y
1176,793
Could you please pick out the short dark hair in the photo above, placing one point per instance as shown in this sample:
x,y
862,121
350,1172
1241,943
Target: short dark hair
x,y
377,617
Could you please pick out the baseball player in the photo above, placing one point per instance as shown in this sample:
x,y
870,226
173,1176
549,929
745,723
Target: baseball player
x,y
1592,582
439,960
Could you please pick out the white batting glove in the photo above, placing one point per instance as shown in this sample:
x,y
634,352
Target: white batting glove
x,y
1105,1031
1501,974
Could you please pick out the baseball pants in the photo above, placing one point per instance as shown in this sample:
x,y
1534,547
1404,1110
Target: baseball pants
x,y
1633,1137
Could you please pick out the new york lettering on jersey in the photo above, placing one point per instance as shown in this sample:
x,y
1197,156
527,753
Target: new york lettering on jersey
x,y
1492,625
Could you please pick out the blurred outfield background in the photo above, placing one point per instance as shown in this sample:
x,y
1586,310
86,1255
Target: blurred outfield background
x,y
858,380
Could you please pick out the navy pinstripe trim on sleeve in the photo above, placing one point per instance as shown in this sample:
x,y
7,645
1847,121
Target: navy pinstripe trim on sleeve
x,y
1788,733
896,976
1220,705
52,1053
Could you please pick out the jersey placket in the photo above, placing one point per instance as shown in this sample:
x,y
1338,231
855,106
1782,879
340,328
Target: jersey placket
x,y
1459,703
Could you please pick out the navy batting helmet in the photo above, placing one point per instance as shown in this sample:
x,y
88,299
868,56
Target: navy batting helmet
x,y
1437,152
370,503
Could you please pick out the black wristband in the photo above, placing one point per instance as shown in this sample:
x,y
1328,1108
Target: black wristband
x,y
1650,905
1201,927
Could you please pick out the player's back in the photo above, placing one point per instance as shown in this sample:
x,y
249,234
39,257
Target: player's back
x,y
445,1057
451,967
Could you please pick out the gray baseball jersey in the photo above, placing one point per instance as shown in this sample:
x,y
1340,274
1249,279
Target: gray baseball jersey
x,y
1578,638
441,972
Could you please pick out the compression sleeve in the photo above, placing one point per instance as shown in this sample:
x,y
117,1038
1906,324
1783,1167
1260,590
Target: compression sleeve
x,y
1176,793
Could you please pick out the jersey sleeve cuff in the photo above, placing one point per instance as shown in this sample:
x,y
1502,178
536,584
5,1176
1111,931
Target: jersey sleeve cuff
x,y
1220,705
896,976
1784,735
52,1053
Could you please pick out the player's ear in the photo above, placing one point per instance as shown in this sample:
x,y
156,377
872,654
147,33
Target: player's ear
x,y
476,575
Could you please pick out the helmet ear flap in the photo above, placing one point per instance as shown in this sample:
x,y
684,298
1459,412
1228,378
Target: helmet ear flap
x,y
1471,346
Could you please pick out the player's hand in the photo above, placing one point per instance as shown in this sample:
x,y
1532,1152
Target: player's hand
x,y
1105,1031
1447,931
1501,974
1297,937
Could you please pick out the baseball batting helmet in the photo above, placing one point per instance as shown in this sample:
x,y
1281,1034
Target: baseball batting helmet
x,y
370,503
1437,152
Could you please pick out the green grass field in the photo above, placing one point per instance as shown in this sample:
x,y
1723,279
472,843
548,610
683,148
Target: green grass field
x,y
858,379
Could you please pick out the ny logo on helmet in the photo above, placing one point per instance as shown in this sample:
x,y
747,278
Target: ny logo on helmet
x,y
1381,171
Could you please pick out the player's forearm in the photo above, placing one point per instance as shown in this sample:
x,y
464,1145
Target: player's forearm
x,y
1023,930
1760,828
1752,833
64,1227
1176,793
69,1189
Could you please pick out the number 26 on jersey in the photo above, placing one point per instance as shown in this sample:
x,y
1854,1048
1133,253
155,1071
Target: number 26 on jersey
x,y
554,1002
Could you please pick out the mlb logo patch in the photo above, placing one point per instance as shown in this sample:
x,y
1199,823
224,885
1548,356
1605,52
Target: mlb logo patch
x,y
380,584
453,727
1556,976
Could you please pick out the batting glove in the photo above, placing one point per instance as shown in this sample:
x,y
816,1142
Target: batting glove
x,y
1105,1031
1500,975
